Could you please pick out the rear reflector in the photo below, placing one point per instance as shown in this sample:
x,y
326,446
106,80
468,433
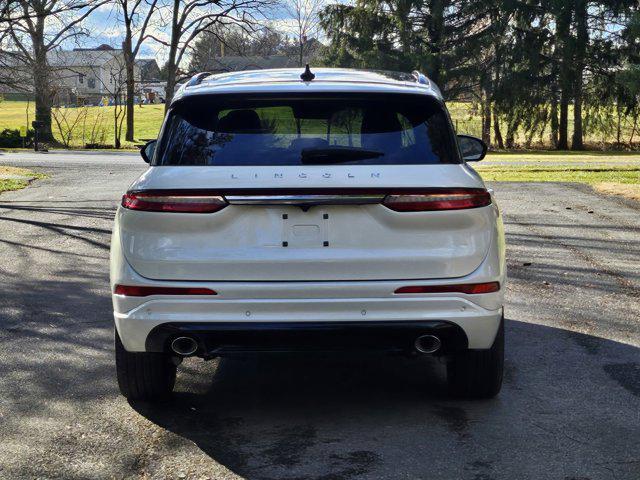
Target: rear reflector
x,y
438,199
173,202
131,291
470,288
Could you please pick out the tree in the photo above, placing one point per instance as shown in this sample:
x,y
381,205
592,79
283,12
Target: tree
x,y
524,64
33,29
137,16
190,18
232,40
306,18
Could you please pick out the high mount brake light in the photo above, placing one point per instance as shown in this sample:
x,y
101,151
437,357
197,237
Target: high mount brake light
x,y
440,199
134,291
469,288
173,202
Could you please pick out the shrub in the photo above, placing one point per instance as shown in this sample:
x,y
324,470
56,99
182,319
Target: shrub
x,y
98,146
11,138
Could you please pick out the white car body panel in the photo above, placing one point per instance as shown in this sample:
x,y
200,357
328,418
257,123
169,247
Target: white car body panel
x,y
478,315
238,252
367,242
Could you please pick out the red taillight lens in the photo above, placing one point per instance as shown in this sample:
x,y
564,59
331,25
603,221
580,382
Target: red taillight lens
x,y
132,291
470,288
442,199
173,202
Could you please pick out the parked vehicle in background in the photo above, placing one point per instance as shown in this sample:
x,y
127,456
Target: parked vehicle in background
x,y
325,211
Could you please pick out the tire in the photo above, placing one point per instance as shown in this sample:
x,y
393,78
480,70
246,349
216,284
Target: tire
x,y
144,375
478,373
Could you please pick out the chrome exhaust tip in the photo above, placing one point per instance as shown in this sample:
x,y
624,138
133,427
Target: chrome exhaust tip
x,y
184,346
427,344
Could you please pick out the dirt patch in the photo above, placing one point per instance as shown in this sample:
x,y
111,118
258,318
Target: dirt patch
x,y
627,190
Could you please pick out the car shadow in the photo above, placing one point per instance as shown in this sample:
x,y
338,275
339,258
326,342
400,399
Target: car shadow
x,y
345,416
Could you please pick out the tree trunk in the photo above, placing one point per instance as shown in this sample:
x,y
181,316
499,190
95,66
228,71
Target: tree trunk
x,y
171,84
301,53
565,73
512,128
563,126
496,130
43,105
486,118
554,120
129,61
633,129
115,121
582,38
172,68
42,84
436,29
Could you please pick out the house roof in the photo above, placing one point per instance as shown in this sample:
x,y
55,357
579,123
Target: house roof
x,y
233,63
81,58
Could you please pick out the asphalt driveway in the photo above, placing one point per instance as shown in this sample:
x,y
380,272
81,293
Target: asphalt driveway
x,y
569,409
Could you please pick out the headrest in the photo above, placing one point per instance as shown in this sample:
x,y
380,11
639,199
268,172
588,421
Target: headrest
x,y
240,121
385,123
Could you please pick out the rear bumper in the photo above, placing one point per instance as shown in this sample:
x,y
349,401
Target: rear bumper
x,y
228,338
478,323
290,304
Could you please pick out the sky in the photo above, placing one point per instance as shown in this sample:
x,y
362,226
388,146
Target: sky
x,y
104,27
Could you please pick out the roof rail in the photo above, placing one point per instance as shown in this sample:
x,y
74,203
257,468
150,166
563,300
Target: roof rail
x,y
420,78
197,78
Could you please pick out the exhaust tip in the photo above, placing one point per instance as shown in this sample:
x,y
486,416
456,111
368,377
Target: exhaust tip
x,y
427,344
184,346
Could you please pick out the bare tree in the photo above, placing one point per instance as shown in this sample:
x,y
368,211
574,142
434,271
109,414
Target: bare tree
x,y
208,48
306,17
189,18
68,122
116,88
137,16
33,29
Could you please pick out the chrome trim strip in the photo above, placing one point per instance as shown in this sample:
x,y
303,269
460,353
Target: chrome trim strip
x,y
303,199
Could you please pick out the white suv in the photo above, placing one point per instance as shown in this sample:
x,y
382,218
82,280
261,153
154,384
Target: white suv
x,y
318,211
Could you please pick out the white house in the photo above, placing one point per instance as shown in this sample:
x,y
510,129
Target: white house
x,y
84,75
89,75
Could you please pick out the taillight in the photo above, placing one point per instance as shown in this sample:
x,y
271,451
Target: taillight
x,y
469,288
134,291
173,202
438,199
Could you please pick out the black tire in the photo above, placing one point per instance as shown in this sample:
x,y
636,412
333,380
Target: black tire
x,y
478,373
144,375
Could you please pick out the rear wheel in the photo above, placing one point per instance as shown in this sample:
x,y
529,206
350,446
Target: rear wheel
x,y
478,373
144,375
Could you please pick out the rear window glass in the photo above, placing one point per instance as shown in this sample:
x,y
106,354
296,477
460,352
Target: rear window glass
x,y
301,131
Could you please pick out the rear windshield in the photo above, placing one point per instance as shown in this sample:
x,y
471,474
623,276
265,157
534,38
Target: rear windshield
x,y
220,131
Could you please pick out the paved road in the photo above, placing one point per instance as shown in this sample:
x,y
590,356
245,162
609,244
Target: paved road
x,y
569,408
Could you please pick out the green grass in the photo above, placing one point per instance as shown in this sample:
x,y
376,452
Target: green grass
x,y
602,172
148,119
563,155
11,184
7,184
582,174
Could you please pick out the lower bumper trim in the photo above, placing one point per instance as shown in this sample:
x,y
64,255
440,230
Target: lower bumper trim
x,y
226,338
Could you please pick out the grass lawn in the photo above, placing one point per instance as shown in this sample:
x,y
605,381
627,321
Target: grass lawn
x,y
610,178
7,183
148,119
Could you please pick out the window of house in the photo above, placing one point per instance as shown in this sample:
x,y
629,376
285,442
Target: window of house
x,y
80,78
92,83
